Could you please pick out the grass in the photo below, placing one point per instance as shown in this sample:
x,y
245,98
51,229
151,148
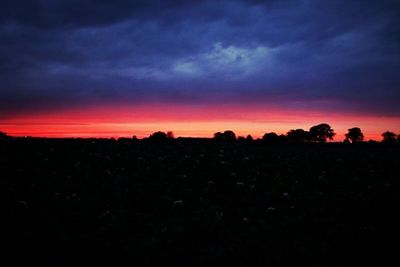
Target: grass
x,y
198,202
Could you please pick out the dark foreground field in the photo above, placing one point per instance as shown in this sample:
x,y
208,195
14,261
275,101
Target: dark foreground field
x,y
70,202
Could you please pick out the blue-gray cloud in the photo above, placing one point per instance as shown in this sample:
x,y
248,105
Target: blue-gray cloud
x,y
57,54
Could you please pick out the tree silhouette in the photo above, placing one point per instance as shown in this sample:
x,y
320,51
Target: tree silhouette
x,y
273,138
389,137
241,139
218,136
270,138
230,136
298,136
225,136
249,138
170,135
355,135
3,135
346,141
158,136
321,132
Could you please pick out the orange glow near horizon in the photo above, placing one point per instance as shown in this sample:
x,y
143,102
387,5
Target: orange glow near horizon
x,y
188,120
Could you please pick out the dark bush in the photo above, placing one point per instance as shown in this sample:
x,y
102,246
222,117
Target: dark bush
x,y
227,136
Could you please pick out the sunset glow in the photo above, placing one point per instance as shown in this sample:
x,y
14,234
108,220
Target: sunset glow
x,y
201,121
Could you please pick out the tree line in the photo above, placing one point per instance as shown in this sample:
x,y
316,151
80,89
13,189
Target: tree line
x,y
320,133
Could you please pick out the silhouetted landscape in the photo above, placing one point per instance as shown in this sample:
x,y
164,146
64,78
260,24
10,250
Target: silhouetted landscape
x,y
281,200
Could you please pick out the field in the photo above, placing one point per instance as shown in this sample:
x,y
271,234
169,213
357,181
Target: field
x,y
197,203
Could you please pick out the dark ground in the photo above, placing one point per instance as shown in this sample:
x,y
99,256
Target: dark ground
x,y
198,203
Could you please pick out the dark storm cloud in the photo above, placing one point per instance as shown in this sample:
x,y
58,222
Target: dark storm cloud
x,y
68,53
78,13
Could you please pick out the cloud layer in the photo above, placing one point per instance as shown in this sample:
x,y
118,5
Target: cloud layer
x,y
324,54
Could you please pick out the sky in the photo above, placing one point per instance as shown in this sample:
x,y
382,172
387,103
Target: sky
x,y
121,68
